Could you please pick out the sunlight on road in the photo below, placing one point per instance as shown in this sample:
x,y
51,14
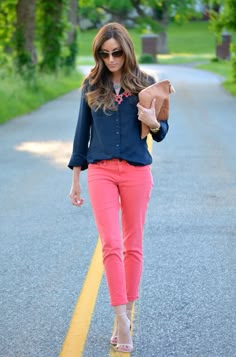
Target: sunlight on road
x,y
57,151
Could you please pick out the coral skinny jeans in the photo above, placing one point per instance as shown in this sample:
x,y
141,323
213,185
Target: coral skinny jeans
x,y
116,186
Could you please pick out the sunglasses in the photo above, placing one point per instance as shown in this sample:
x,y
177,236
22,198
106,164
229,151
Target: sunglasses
x,y
115,54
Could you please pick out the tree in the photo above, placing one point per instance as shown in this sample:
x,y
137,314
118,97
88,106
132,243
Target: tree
x,y
152,15
52,20
25,28
99,11
157,14
70,59
58,33
119,10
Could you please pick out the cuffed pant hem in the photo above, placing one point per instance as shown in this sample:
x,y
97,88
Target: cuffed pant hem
x,y
118,303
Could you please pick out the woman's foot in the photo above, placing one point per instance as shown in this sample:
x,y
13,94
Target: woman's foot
x,y
124,340
114,337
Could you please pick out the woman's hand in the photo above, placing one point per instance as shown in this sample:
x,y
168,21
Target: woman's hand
x,y
148,116
75,192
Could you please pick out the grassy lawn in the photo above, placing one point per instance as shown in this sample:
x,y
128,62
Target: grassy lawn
x,y
222,68
18,99
184,41
191,38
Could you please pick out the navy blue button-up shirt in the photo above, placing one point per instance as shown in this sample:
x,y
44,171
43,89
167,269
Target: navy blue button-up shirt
x,y
101,136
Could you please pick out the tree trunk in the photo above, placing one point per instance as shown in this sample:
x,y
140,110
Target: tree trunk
x,y
162,43
73,19
161,16
72,35
25,25
164,21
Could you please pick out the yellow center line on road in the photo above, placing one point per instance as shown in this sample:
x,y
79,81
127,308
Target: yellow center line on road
x,y
75,339
149,142
77,334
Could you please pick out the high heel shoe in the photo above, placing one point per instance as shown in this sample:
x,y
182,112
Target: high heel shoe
x,y
120,346
114,337
129,315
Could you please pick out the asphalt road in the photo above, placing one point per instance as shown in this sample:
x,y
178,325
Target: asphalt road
x,y
187,304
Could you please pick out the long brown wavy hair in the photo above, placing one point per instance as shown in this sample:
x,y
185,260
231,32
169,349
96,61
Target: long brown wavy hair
x,y
99,87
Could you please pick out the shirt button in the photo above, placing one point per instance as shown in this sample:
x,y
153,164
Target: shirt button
x,y
117,145
117,132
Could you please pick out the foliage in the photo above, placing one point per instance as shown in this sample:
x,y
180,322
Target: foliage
x,y
146,58
226,20
233,60
7,19
162,11
53,47
149,15
53,23
18,98
98,11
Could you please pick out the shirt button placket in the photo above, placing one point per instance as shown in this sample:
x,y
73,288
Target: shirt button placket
x,y
117,133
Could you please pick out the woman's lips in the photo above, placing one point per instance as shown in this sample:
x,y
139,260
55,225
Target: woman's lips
x,y
112,65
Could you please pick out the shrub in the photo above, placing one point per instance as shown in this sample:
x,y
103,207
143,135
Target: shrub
x,y
146,58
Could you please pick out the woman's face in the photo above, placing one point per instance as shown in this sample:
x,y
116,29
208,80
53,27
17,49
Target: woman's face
x,y
112,55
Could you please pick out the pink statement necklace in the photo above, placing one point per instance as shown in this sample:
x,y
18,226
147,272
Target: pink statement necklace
x,y
119,97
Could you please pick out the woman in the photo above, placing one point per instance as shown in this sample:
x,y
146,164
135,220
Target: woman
x,y
108,142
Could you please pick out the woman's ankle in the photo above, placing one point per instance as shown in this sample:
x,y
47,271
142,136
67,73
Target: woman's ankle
x,y
129,309
123,324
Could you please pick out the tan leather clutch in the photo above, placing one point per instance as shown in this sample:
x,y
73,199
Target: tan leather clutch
x,y
161,91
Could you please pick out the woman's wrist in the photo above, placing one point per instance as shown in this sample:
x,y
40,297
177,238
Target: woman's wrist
x,y
155,128
76,173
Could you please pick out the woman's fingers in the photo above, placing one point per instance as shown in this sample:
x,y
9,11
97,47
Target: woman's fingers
x,y
79,202
76,200
147,115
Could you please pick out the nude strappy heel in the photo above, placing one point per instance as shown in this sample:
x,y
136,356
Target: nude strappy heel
x,y
114,337
129,314
123,347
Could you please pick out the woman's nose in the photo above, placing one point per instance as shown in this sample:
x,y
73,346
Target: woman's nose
x,y
111,58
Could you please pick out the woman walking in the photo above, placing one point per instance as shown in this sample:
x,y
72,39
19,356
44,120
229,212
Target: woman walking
x,y
108,143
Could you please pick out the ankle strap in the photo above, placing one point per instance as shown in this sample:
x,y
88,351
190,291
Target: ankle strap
x,y
122,314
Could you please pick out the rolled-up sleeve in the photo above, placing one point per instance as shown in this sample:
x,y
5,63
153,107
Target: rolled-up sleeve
x,y
82,135
160,135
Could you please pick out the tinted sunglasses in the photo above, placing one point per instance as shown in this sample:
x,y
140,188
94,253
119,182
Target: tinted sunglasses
x,y
116,54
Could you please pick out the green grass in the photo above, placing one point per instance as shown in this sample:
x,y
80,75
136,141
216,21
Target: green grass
x,y
191,38
222,68
17,98
191,42
184,58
